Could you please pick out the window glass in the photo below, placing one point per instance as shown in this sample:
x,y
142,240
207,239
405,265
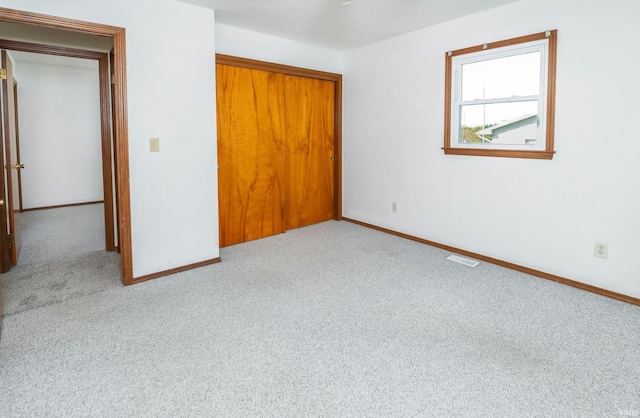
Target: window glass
x,y
517,75
514,123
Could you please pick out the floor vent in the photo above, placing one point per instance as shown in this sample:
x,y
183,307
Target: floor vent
x,y
464,261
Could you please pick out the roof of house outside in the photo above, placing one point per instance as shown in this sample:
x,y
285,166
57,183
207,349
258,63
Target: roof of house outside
x,y
489,130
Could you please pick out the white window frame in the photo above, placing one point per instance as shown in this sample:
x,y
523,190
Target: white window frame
x,y
545,43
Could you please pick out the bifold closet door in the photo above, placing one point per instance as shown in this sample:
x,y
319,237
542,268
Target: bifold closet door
x,y
251,154
309,130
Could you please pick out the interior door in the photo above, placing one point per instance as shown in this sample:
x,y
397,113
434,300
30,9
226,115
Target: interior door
x,y
251,153
12,164
310,131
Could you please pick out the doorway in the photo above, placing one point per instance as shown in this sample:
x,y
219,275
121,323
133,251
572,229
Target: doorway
x,y
58,226
119,122
55,88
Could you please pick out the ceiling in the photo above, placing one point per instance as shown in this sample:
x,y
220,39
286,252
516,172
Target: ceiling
x,y
330,24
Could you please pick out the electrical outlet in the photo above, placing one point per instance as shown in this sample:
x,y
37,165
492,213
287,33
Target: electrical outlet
x,y
601,250
394,207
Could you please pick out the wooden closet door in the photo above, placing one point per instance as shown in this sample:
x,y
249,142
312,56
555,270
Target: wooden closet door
x,y
251,153
310,150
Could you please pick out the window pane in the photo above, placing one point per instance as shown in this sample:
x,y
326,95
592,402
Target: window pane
x,y
514,123
516,75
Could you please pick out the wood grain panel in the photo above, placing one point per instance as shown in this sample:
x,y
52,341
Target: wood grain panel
x,y
314,74
251,153
310,162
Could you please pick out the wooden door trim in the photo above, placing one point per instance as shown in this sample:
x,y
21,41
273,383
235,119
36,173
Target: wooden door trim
x,y
107,157
50,50
275,68
176,270
69,205
121,120
105,118
15,98
307,73
115,160
5,256
9,200
337,151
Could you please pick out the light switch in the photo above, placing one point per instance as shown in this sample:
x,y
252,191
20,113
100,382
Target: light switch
x,y
154,144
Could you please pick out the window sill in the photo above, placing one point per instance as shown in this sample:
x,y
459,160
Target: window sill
x,y
537,155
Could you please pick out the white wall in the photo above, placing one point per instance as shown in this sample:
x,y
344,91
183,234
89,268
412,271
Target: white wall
x,y
247,44
60,143
171,96
545,215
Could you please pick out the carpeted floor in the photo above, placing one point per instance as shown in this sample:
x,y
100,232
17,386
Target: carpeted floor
x,y
331,320
63,257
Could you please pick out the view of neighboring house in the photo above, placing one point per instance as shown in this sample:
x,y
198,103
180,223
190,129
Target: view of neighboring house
x,y
519,131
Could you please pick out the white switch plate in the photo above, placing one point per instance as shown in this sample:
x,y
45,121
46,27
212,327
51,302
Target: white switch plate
x,y
154,145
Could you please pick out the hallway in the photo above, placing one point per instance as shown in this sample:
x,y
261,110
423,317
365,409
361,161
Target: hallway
x,y
63,257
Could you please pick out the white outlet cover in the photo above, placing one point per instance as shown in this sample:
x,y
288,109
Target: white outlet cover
x,y
601,250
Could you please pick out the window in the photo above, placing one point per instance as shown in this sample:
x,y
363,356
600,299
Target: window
x,y
500,98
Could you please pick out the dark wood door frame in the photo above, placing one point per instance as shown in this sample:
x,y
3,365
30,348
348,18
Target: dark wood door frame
x,y
5,254
11,160
115,160
15,97
319,75
105,120
120,122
